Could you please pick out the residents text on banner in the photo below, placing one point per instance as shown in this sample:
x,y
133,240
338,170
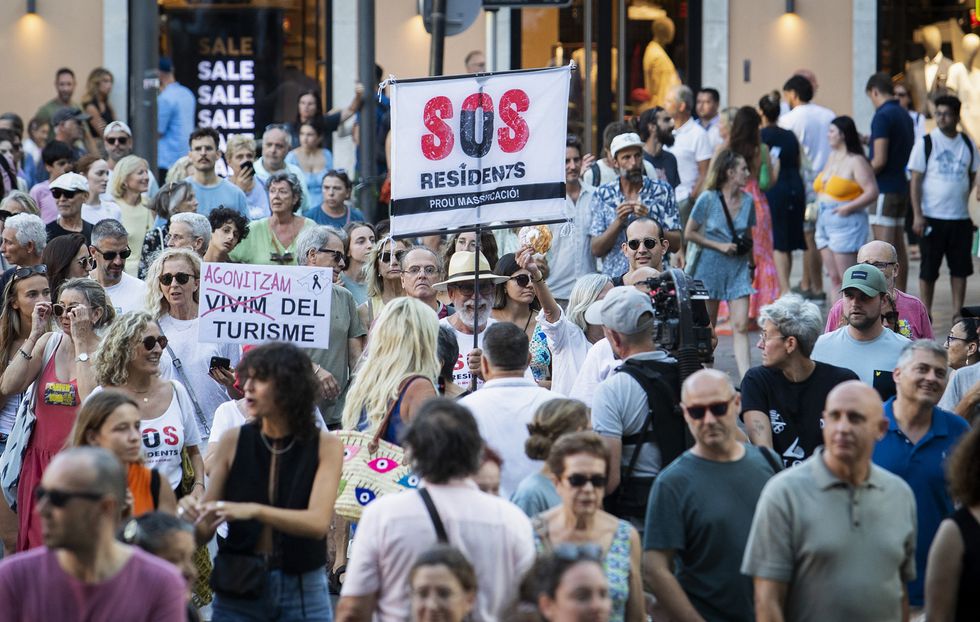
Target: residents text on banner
x,y
478,149
251,304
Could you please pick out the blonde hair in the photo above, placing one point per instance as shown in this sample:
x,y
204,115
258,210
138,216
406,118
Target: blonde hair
x,y
156,303
403,344
178,170
92,94
372,271
116,350
237,142
585,291
124,168
24,200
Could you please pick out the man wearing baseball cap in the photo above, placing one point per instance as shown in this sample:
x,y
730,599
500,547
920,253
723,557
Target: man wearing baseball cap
x,y
621,409
67,126
633,195
69,191
863,345
118,140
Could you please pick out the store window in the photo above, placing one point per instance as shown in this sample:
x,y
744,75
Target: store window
x,y
246,61
657,53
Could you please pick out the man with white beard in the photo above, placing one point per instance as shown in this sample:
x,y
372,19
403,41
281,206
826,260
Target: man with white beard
x,y
472,306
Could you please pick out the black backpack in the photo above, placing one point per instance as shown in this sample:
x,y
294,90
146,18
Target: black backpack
x,y
927,139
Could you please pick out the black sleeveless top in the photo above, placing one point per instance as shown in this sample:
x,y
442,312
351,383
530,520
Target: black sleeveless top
x,y
248,482
968,599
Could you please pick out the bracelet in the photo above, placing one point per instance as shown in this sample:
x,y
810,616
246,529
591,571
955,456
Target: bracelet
x,y
25,354
201,484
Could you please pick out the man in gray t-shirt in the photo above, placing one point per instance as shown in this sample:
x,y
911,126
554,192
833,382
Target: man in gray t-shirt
x,y
863,345
834,538
701,509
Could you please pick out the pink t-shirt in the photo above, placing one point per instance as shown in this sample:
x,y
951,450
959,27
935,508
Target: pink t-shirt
x,y
913,319
34,587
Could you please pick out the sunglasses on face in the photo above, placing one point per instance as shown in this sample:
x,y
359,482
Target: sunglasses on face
x,y
648,243
467,289
60,498
578,480
60,309
68,194
182,278
338,256
23,273
522,280
282,259
149,342
111,255
718,409
113,140
87,262
386,256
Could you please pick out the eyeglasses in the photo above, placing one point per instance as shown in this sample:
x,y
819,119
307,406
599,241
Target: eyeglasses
x,y
26,271
881,265
578,552
578,480
522,280
467,289
174,237
338,256
111,255
648,243
60,309
4,215
386,256
149,342
87,262
764,338
426,270
284,258
951,337
718,409
68,194
182,277
112,140
60,498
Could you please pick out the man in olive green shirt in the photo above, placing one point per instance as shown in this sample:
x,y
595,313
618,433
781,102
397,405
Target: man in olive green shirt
x,y
64,82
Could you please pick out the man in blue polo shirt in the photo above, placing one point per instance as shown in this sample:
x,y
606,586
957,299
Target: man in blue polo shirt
x,y
892,137
920,436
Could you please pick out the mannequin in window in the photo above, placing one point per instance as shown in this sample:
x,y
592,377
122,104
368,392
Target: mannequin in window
x,y
926,78
964,79
659,73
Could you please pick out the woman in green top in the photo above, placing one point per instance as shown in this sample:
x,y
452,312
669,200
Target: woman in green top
x,y
272,240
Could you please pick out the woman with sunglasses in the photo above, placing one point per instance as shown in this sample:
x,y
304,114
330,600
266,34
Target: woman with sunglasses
x,y
63,377
130,179
568,585
67,257
96,172
129,360
384,278
578,464
111,420
515,301
69,190
272,240
173,298
174,198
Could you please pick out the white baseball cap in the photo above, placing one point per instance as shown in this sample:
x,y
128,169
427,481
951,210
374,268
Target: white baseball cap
x,y
70,181
625,141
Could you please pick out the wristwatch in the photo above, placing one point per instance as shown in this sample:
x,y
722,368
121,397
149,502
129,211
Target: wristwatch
x,y
83,357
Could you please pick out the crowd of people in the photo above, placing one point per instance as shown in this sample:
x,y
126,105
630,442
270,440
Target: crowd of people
x,y
564,464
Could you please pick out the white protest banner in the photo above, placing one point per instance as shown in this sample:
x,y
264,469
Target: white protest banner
x,y
251,304
478,149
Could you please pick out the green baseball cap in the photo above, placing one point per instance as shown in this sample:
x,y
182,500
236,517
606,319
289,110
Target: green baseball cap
x,y
866,278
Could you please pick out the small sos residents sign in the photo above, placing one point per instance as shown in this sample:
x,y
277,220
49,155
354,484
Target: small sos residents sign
x,y
478,149
250,304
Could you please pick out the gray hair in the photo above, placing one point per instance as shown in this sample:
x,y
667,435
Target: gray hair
x,y
95,296
418,247
685,95
793,316
29,228
315,237
585,291
279,128
294,185
108,229
923,345
199,224
22,199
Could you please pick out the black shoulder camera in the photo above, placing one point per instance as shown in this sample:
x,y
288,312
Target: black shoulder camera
x,y
682,325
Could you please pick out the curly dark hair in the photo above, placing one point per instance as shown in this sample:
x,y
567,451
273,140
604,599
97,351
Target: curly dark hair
x,y
291,372
219,216
444,441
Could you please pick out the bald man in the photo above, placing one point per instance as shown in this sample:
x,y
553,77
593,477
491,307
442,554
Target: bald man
x,y
695,535
834,538
913,318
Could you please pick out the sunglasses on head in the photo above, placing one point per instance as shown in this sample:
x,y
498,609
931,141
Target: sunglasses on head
x,y
648,243
68,194
386,256
60,498
281,259
149,342
113,140
522,280
338,256
111,255
182,277
717,409
578,480
23,273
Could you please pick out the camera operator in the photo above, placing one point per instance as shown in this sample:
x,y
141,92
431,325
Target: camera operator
x,y
635,409
644,247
